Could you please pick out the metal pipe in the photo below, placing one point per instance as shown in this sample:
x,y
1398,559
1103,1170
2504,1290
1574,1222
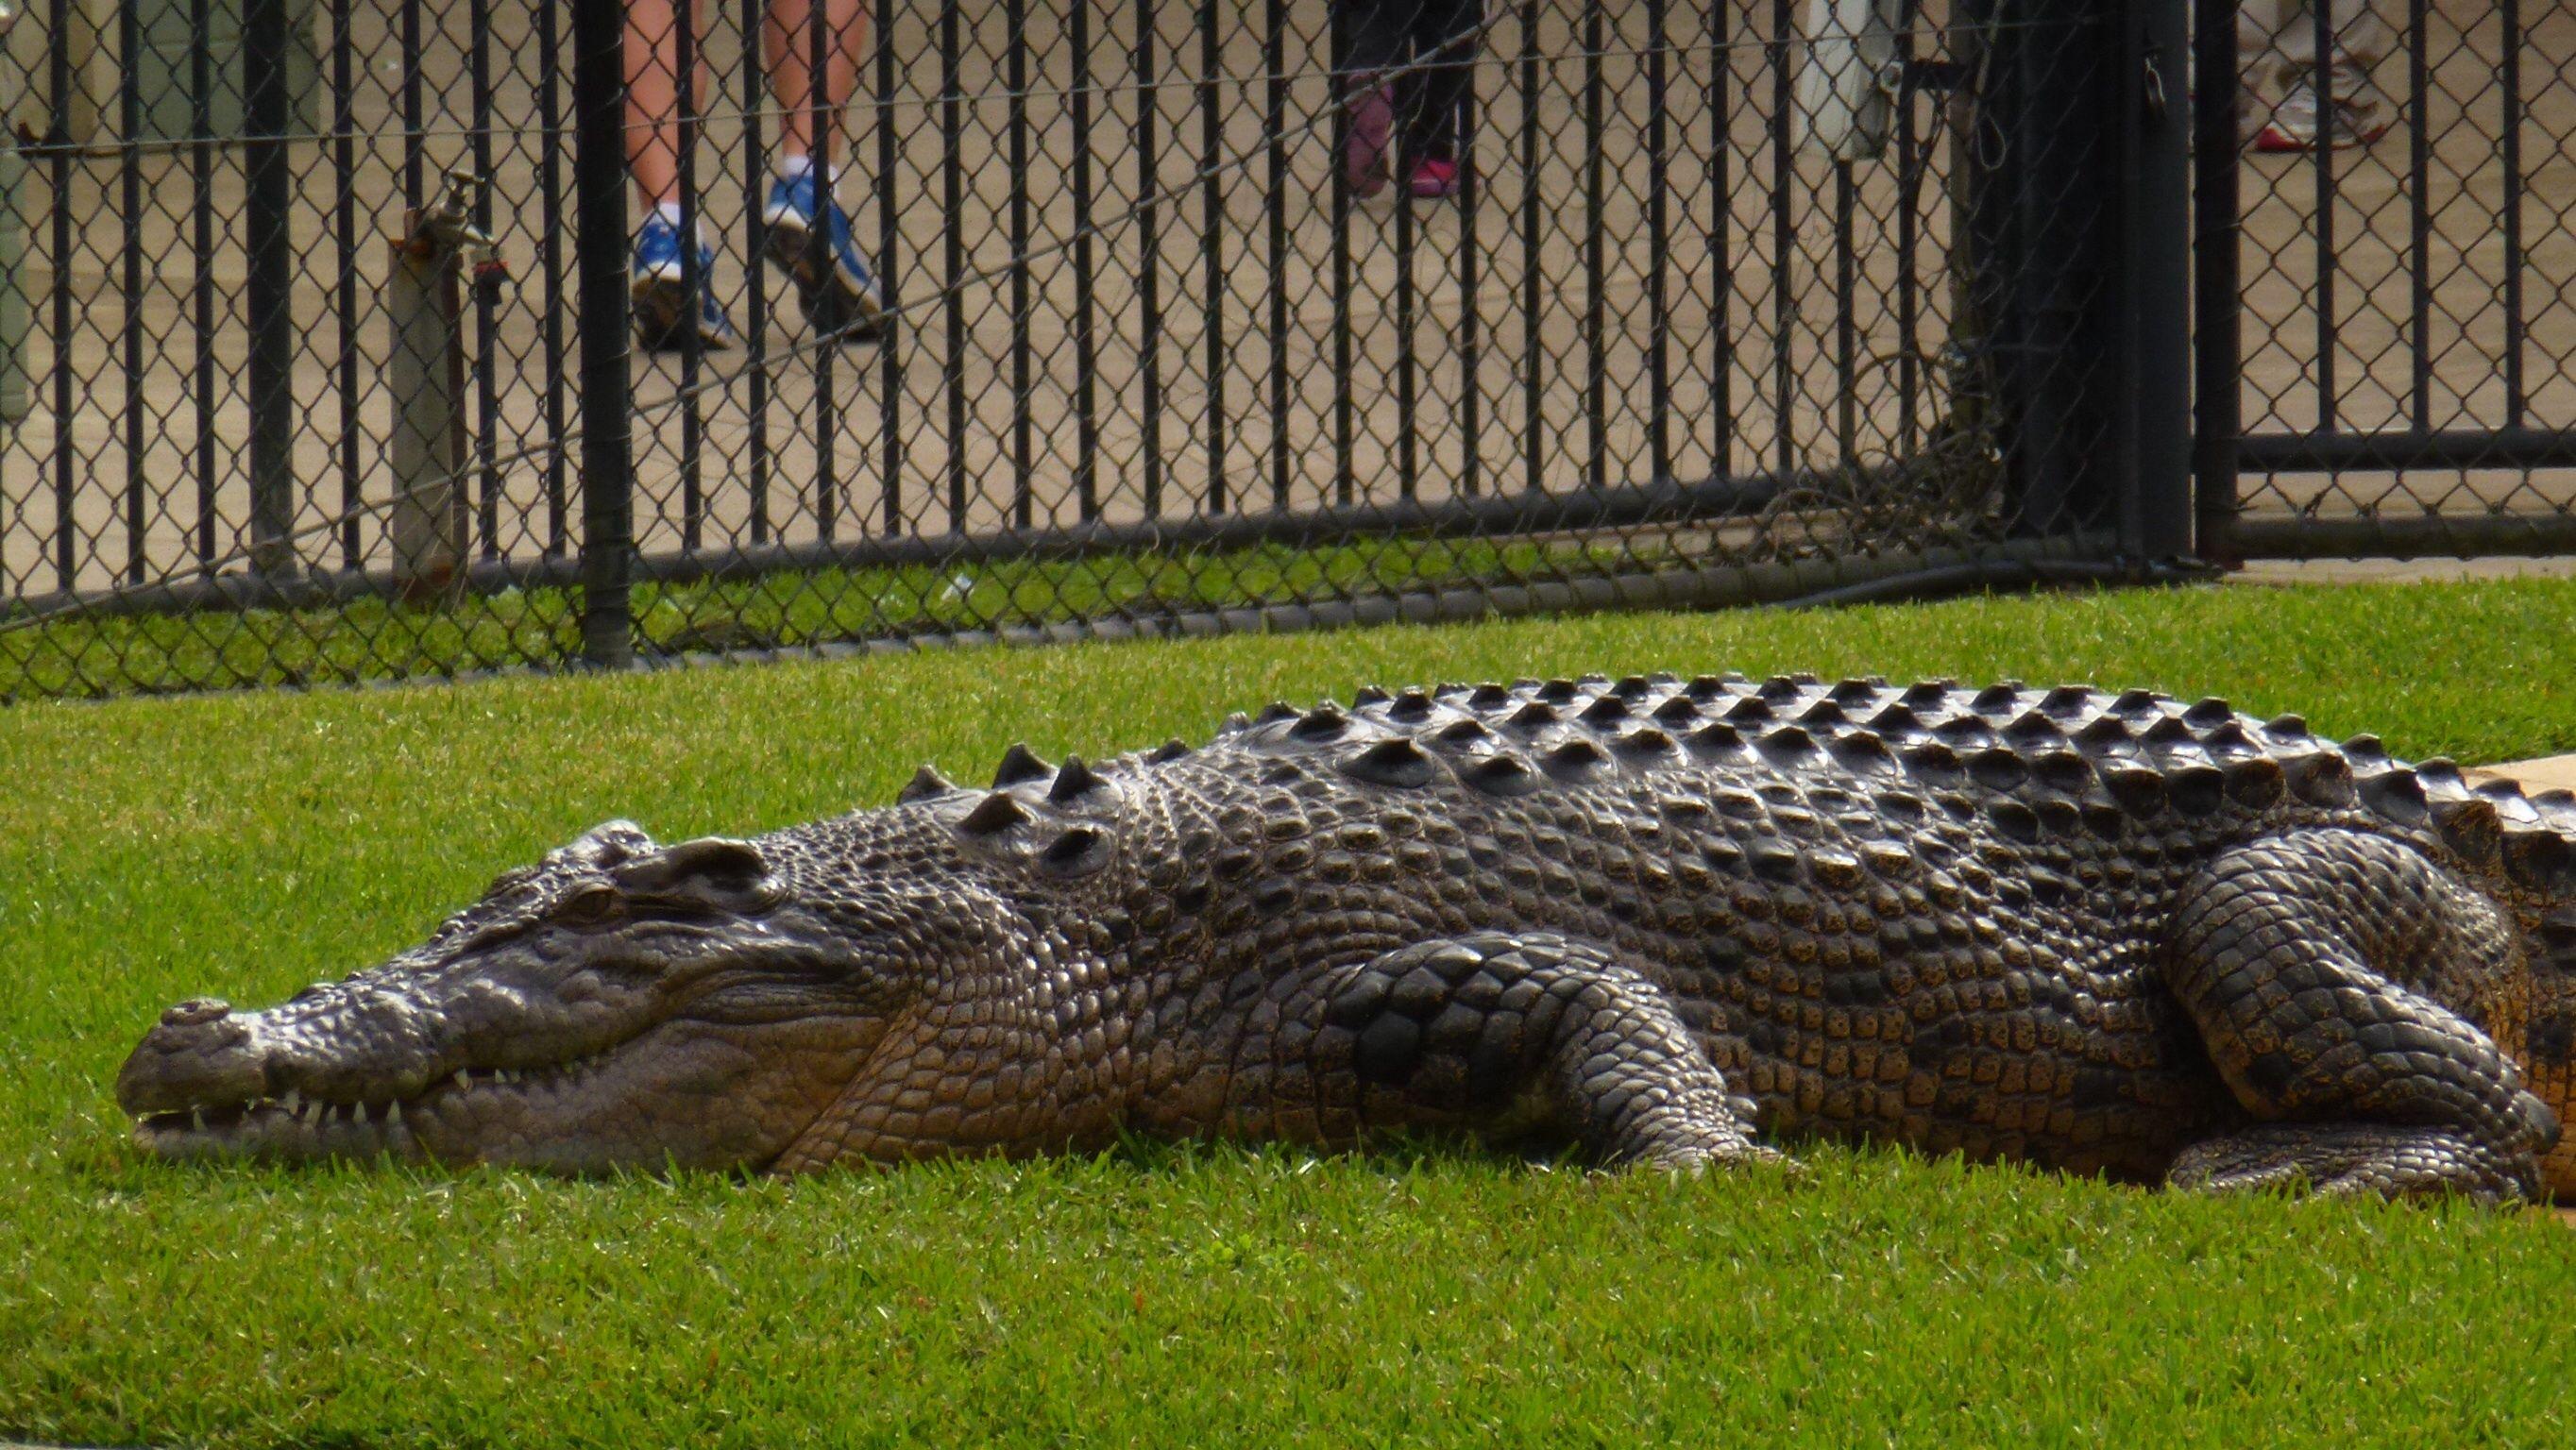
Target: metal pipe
x,y
2336,452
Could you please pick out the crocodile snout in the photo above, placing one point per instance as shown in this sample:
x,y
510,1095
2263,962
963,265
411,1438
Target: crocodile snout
x,y
199,1054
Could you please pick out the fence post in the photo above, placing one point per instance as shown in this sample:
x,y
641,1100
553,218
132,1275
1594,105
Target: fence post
x,y
2217,306
269,293
599,240
2043,318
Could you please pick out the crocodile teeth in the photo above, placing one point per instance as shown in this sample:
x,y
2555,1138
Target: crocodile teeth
x,y
502,1075
197,1119
293,1102
358,1114
393,1116
463,1080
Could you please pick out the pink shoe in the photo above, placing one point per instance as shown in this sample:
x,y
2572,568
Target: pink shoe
x,y
1434,177
1372,123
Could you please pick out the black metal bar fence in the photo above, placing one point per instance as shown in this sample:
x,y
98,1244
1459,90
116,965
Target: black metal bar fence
x,y
348,339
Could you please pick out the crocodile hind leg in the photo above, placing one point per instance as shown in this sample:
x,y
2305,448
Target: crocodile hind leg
x,y
1463,1028
2343,985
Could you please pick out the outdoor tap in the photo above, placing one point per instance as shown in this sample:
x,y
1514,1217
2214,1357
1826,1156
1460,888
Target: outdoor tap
x,y
446,225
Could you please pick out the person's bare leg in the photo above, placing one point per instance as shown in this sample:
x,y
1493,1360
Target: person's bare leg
x,y
671,306
787,46
840,293
653,98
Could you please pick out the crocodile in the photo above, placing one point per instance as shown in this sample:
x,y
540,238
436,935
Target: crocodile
x,y
1649,920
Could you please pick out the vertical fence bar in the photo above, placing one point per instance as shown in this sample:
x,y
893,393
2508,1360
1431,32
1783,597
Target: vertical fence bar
x,y
1846,319
129,111
344,241
600,242
1909,230
1211,245
1659,380
1345,421
2322,28
1783,242
487,321
1149,260
201,227
1408,461
1471,308
952,181
2509,83
1596,356
1086,303
2419,216
1274,203
755,272
269,294
2218,386
2154,244
890,438
823,123
551,252
59,143
1533,352
1721,231
415,153
694,281
1015,19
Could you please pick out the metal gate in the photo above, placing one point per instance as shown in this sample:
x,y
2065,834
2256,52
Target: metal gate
x,y
2387,326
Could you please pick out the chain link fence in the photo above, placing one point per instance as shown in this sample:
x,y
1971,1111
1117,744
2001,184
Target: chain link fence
x,y
334,343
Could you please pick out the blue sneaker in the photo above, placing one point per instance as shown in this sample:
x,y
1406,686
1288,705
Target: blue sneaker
x,y
840,292
665,318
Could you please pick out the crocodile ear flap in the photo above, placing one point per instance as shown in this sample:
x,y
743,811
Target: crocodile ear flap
x,y
711,866
610,843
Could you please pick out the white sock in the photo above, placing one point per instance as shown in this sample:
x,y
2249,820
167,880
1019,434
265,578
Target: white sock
x,y
793,166
670,213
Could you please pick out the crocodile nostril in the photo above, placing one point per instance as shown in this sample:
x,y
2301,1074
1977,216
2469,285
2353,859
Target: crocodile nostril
x,y
197,1010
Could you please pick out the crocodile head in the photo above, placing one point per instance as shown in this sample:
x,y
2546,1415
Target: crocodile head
x,y
618,1004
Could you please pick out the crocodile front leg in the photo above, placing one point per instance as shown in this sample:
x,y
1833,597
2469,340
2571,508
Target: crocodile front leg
x,y
2344,986
1466,1029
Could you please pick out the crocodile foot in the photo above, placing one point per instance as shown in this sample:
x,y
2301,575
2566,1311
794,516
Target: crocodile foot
x,y
2356,1158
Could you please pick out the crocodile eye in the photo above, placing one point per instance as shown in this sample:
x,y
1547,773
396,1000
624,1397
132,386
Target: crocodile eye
x,y
589,906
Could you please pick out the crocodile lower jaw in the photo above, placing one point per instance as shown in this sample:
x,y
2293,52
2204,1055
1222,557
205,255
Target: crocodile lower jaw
x,y
294,1126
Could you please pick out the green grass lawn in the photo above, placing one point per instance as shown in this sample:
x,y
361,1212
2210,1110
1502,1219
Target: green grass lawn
x,y
1422,1294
